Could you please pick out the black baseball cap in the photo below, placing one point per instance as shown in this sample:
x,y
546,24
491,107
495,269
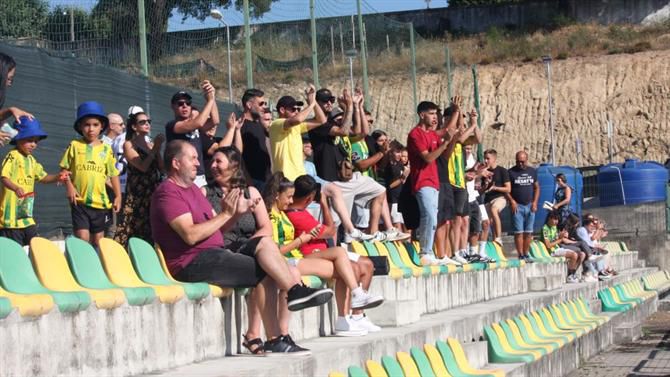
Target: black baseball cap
x,y
181,95
336,112
288,102
324,95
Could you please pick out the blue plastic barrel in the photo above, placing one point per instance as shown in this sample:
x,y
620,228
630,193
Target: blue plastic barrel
x,y
546,175
632,182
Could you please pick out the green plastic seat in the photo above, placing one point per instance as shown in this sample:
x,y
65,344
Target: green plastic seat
x,y
422,362
538,325
500,261
392,366
17,276
573,319
309,280
498,353
625,296
561,322
579,305
5,307
531,337
356,371
148,267
414,256
608,303
394,254
87,270
516,343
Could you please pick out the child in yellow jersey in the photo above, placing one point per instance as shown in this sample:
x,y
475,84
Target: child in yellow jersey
x,y
90,163
20,171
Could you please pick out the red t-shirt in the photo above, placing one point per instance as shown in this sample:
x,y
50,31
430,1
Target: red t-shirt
x,y
170,201
304,222
423,174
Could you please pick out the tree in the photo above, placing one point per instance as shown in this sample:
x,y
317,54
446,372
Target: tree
x,y
122,16
22,18
63,20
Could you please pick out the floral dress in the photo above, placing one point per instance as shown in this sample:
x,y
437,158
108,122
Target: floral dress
x,y
140,186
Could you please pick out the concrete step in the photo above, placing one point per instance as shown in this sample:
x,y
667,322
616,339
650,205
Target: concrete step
x,y
627,332
664,305
463,323
545,283
395,313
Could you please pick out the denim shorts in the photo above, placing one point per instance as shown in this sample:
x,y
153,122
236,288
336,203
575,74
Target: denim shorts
x,y
524,219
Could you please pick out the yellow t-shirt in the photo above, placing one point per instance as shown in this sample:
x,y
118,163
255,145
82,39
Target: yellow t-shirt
x,y
286,145
23,171
90,167
283,232
457,167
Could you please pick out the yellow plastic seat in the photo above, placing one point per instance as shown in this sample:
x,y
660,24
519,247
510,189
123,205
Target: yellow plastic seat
x,y
436,361
52,269
407,364
504,343
214,290
29,305
336,374
464,364
120,271
375,369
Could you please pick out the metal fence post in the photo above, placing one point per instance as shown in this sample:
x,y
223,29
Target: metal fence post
x,y
364,58
480,148
412,48
142,31
247,46
315,60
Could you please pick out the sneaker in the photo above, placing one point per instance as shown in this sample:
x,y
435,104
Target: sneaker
x,y
394,234
603,277
498,241
346,327
459,259
486,259
380,237
361,299
590,279
445,260
429,260
301,297
572,279
473,258
357,235
365,323
284,346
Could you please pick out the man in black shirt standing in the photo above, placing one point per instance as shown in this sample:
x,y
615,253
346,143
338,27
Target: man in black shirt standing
x,y
523,202
496,188
255,142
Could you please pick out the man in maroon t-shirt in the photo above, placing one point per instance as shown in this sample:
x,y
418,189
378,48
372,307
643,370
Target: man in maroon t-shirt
x,y
189,231
424,146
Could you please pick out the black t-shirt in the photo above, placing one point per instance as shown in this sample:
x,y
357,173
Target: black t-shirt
x,y
255,151
522,182
392,172
192,137
443,169
500,177
327,154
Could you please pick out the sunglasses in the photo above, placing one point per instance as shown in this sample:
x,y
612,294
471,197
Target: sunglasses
x,y
262,104
329,100
296,108
183,103
144,122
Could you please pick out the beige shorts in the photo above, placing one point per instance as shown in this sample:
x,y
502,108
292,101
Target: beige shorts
x,y
498,204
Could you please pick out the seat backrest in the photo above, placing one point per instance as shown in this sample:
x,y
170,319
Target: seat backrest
x,y
371,249
392,366
375,369
85,264
422,362
449,357
146,262
50,265
358,248
407,364
435,360
16,271
117,264
356,371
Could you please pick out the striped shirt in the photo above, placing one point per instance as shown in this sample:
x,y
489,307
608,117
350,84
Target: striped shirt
x,y
457,167
90,166
283,232
23,171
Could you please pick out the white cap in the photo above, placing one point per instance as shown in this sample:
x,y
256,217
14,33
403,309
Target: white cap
x,y
132,110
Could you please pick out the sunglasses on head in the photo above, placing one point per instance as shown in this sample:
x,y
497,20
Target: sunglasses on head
x,y
143,122
182,103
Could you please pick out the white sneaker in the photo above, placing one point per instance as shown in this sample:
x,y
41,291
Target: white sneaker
x,y
357,235
380,237
360,299
445,260
346,327
498,240
429,260
394,234
573,279
590,279
459,259
365,323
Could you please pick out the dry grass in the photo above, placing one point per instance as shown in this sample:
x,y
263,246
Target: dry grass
x,y
494,46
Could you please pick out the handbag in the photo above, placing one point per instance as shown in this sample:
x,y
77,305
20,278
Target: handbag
x,y
381,264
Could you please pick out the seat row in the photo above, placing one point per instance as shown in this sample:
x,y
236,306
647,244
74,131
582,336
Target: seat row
x,y
443,359
73,280
539,252
658,281
404,258
623,297
527,337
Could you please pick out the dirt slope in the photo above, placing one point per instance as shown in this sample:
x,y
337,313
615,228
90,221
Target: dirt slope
x,y
633,90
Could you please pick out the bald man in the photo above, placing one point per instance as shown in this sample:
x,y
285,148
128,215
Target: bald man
x,y
523,202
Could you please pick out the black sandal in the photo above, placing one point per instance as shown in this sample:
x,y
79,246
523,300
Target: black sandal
x,y
249,344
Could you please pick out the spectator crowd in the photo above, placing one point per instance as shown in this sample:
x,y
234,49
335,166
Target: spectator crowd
x,y
281,193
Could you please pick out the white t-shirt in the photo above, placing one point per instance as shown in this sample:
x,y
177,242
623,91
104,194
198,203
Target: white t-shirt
x,y
470,163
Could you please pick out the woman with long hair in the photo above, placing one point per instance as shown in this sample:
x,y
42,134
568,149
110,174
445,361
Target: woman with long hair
x,y
7,72
144,174
562,198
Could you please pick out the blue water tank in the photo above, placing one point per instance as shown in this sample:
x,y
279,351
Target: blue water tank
x,y
546,175
632,182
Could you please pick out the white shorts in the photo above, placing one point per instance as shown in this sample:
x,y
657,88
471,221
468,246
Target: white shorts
x,y
200,181
560,252
396,216
483,213
360,190
360,216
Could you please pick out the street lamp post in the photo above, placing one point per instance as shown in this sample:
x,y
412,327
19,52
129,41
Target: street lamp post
x,y
351,55
217,15
547,61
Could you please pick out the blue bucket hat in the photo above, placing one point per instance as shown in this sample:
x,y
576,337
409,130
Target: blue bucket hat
x,y
91,109
28,128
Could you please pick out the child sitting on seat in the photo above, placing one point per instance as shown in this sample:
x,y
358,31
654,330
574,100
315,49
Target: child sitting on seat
x,y
558,245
